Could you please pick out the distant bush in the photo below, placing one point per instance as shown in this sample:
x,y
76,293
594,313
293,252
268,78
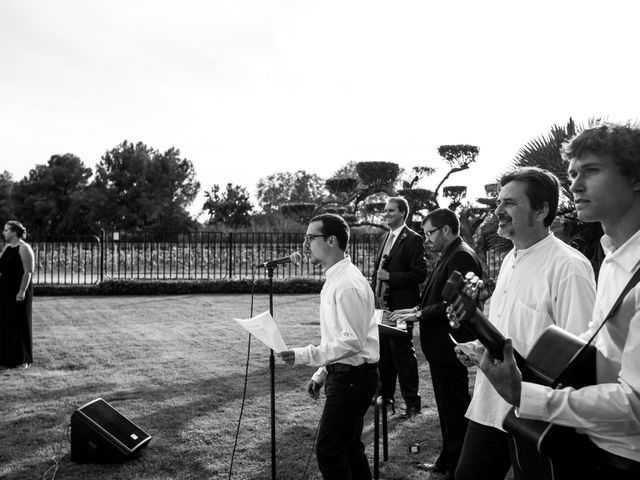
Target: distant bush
x,y
182,287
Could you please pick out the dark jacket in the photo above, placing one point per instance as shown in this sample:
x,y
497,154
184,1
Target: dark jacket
x,y
434,324
407,267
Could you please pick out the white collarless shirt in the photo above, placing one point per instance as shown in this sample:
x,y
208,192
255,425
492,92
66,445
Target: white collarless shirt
x,y
348,331
608,412
548,283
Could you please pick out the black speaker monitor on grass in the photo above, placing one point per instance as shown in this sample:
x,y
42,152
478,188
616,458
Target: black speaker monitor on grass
x,y
101,434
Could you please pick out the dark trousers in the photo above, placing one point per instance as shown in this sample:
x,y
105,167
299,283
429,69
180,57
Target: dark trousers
x,y
485,454
398,361
606,471
340,451
451,391
585,461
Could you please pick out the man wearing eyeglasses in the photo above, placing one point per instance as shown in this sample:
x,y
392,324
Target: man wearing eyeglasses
x,y
449,377
400,268
347,355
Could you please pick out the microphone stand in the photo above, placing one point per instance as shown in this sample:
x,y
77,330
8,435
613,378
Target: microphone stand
x,y
272,369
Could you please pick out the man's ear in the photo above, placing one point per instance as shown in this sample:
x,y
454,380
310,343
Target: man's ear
x,y
544,211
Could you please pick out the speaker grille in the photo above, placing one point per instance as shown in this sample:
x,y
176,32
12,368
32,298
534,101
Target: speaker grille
x,y
99,433
108,418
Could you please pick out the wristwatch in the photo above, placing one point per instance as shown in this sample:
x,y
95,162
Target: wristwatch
x,y
419,314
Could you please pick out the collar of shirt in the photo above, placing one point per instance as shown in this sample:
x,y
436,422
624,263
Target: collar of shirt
x,y
625,256
396,234
518,254
336,268
449,248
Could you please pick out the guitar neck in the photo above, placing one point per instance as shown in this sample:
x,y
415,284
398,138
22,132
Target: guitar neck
x,y
486,333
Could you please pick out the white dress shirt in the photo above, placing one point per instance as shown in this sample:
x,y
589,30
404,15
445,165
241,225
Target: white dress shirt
x,y
610,411
348,331
545,284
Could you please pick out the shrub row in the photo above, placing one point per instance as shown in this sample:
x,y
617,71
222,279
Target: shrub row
x,y
181,287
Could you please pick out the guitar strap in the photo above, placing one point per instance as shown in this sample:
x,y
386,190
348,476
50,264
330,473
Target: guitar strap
x,y
632,283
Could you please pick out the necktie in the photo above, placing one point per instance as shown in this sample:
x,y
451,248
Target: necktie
x,y
387,246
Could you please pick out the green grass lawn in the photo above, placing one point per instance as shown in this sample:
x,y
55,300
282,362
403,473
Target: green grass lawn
x,y
175,366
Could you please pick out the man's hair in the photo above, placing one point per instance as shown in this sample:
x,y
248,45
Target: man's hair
x,y
441,217
333,224
17,227
540,186
402,205
620,141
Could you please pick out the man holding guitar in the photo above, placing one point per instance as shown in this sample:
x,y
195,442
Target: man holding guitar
x,y
604,166
542,282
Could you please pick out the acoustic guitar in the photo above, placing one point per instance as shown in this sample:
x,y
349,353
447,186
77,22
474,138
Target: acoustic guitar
x,y
557,359
382,288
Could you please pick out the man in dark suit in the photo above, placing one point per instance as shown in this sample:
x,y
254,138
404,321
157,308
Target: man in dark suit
x,y
450,379
400,267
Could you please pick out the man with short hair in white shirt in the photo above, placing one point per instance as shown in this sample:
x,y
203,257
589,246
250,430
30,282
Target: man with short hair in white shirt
x,y
347,355
542,282
604,166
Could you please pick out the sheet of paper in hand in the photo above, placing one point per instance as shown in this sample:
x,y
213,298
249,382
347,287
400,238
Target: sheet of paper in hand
x,y
264,328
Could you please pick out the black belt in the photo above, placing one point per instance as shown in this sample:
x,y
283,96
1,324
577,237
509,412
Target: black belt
x,y
621,463
343,367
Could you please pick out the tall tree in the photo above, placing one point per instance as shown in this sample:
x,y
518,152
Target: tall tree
x,y
138,187
230,207
52,197
6,200
175,188
280,188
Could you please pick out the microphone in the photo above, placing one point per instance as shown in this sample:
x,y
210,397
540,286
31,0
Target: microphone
x,y
294,258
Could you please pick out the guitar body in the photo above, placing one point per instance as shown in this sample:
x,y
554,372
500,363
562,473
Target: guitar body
x,y
382,288
382,296
543,450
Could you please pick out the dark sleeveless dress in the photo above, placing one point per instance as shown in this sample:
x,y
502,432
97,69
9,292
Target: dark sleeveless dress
x,y
15,317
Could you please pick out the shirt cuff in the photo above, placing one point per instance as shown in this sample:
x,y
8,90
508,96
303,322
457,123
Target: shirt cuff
x,y
320,376
533,401
302,356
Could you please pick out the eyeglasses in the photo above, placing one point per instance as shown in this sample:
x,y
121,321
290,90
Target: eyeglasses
x,y
428,234
308,238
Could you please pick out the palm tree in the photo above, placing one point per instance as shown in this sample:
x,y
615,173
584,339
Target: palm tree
x,y
544,152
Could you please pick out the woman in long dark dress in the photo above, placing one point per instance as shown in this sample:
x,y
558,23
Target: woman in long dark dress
x,y
16,293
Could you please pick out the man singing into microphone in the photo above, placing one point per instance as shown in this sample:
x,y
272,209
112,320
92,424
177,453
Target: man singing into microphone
x,y
347,355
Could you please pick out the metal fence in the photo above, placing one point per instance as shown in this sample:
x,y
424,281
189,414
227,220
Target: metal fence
x,y
88,259
68,259
493,260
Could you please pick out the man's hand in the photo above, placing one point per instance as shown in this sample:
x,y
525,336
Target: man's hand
x,y
467,354
313,389
383,275
402,320
289,357
404,314
20,296
504,376
402,311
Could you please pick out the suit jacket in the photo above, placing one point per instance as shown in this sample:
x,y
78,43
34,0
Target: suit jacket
x,y
407,267
434,324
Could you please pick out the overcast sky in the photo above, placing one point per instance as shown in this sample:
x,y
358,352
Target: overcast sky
x,y
245,88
